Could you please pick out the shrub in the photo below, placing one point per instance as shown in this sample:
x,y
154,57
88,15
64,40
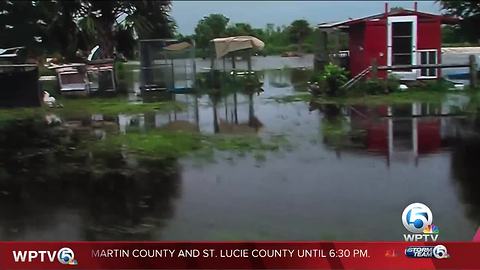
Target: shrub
x,y
331,79
393,83
374,87
334,77
437,85
377,86
122,77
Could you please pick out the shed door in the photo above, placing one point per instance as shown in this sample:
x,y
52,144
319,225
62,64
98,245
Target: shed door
x,y
402,44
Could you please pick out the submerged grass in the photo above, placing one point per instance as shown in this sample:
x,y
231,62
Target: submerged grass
x,y
304,96
111,106
168,144
406,97
393,98
85,106
20,113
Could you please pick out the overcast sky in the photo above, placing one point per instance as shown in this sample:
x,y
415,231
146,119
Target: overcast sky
x,y
259,13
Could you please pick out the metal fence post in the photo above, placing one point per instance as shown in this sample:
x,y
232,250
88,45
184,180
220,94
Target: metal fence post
x,y
473,71
374,71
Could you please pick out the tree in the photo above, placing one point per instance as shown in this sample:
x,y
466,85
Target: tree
x,y
23,23
298,31
100,18
66,25
269,29
452,34
103,20
63,32
469,11
240,29
210,27
151,19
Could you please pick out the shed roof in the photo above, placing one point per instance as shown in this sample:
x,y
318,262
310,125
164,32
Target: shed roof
x,y
393,12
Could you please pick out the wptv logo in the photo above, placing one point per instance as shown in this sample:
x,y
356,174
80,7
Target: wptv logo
x,y
437,252
417,218
64,256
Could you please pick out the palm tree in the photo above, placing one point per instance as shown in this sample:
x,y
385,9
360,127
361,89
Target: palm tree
x,y
62,29
298,31
151,19
60,25
102,20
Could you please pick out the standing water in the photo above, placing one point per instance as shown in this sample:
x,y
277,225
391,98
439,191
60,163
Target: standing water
x,y
339,173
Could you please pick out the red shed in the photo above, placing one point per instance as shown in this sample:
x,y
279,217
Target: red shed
x,y
395,37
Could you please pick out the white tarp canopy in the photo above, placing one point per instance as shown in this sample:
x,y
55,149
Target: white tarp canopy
x,y
178,46
223,46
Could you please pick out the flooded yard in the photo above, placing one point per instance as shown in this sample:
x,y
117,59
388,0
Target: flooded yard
x,y
273,169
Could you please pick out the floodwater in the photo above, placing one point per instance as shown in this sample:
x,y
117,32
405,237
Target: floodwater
x,y
347,173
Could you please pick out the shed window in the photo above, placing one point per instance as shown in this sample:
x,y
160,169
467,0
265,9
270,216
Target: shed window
x,y
428,57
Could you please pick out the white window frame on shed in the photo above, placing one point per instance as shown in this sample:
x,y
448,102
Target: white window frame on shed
x,y
419,52
406,75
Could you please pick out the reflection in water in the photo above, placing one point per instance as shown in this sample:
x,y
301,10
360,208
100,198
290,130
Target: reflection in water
x,y
47,180
229,122
351,164
465,167
401,132
226,95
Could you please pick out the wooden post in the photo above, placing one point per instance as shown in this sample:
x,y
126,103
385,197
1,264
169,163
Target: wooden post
x,y
321,50
336,48
233,62
473,71
249,61
374,70
212,57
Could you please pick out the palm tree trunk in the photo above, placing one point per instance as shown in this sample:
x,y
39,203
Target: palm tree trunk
x,y
106,38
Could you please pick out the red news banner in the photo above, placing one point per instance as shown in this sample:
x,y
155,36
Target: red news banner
x,y
239,255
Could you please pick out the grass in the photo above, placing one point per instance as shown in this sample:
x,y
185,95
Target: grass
x,y
112,106
20,113
406,97
393,98
83,106
163,144
304,96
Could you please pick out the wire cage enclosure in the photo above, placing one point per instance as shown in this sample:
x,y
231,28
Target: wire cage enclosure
x,y
72,78
101,77
233,62
83,79
19,81
20,86
166,64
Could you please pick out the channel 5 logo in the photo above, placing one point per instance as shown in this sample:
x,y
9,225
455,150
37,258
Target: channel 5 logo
x,y
417,218
437,252
64,256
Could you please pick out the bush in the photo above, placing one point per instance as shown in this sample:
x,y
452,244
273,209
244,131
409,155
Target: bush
x,y
331,79
307,48
436,85
122,77
374,87
393,83
377,86
292,48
